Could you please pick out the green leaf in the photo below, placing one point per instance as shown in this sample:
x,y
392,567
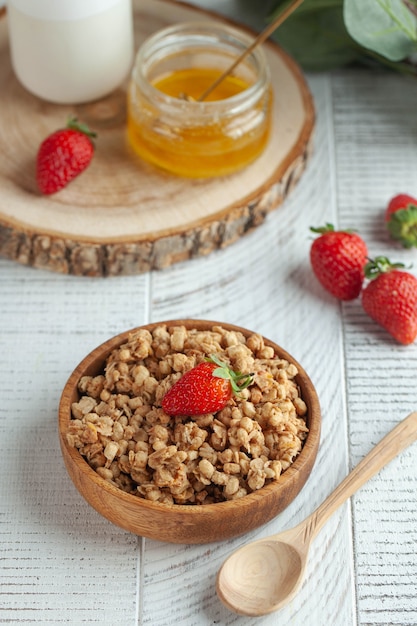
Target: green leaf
x,y
316,36
388,27
412,5
402,226
380,265
74,124
308,6
327,228
221,372
237,380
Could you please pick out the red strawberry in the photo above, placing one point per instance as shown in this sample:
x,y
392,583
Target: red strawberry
x,y
338,259
390,298
401,218
62,156
204,389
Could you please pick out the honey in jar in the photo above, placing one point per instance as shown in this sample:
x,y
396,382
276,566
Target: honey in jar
x,y
169,127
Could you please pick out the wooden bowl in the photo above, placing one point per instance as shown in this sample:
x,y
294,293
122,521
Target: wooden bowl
x,y
178,523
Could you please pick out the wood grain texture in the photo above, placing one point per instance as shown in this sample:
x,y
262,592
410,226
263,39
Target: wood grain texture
x,y
123,216
177,523
375,130
62,563
265,575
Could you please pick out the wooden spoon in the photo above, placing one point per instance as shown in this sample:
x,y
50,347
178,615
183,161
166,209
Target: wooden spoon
x,y
264,575
256,42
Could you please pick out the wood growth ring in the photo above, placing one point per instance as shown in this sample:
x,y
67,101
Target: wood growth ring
x,y
121,216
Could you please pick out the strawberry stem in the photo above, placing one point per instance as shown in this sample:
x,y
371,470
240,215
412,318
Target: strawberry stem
x,y
328,228
380,265
238,381
74,124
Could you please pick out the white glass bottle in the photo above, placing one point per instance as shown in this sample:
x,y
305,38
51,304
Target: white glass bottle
x,y
71,51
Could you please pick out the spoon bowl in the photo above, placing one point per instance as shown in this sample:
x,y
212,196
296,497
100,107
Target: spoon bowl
x,y
264,575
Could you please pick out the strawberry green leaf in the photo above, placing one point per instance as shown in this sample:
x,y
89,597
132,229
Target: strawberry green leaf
x,y
74,124
327,228
215,359
380,265
402,226
237,380
221,372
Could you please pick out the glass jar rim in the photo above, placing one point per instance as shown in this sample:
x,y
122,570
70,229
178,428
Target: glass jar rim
x,y
214,30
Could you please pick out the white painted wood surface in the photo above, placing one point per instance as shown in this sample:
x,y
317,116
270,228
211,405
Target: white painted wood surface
x,y
61,563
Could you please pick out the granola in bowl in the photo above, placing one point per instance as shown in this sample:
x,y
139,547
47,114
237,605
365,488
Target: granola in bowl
x,y
119,427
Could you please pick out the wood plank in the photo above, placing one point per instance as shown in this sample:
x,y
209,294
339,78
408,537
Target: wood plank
x,y
62,563
375,129
282,301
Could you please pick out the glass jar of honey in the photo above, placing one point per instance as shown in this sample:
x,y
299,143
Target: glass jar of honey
x,y
168,125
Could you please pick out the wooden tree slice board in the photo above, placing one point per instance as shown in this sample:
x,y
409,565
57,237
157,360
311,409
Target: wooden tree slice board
x,y
122,216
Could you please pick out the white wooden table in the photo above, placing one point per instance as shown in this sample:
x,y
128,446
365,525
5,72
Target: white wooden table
x,y
61,563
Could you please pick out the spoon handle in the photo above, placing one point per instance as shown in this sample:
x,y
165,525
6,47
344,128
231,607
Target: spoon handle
x,y
392,444
263,35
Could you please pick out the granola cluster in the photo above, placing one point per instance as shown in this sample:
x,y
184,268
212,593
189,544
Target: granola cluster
x,y
118,424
